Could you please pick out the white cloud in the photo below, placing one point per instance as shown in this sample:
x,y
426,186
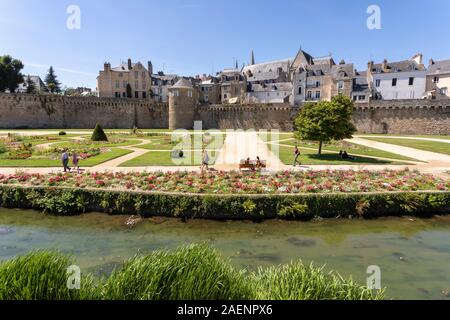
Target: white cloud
x,y
66,70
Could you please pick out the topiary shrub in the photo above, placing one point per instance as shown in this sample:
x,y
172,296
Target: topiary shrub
x,y
62,133
99,134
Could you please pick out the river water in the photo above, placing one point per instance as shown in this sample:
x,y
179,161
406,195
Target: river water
x,y
413,254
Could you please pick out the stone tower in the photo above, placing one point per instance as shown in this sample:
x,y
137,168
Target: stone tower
x,y
182,101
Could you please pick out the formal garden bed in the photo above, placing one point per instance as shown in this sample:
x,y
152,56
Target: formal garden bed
x,y
231,195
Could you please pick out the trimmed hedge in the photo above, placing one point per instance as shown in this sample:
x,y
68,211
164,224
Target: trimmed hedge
x,y
73,201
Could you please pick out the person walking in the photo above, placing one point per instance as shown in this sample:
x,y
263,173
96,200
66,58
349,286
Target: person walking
x,y
75,160
65,160
296,156
205,160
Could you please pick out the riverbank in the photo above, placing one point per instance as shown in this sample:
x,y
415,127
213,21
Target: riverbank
x,y
195,272
72,201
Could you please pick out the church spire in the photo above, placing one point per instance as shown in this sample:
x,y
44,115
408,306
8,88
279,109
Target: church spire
x,y
252,59
237,67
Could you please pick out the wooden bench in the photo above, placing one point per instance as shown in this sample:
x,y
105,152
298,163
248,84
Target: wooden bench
x,y
251,165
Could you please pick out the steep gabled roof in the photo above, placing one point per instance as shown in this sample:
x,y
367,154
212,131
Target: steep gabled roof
x,y
439,67
183,84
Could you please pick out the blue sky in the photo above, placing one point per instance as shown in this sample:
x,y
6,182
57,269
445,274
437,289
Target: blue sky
x,y
192,37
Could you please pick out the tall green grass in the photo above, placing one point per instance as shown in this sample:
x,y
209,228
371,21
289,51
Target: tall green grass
x,y
40,275
194,272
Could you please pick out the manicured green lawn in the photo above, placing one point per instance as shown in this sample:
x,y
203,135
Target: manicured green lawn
x,y
351,148
35,162
310,157
269,137
433,146
165,143
69,144
164,158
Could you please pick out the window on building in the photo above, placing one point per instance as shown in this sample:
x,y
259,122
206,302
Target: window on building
x,y
144,95
124,84
377,83
190,94
124,94
136,85
136,94
411,81
144,86
317,83
396,69
117,94
354,98
117,84
176,93
206,98
341,85
361,98
299,90
225,96
136,74
309,95
436,80
394,82
317,94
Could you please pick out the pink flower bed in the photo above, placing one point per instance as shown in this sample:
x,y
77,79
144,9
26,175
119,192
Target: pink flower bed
x,y
239,183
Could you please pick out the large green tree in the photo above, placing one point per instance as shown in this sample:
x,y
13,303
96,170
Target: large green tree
x,y
10,76
325,121
31,87
51,81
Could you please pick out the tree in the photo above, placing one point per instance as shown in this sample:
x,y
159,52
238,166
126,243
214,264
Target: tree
x,y
51,81
99,134
31,87
10,76
129,93
325,121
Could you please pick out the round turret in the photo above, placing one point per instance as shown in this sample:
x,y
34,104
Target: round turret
x,y
182,101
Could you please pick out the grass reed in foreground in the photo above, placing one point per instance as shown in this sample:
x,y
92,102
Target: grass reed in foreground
x,y
190,272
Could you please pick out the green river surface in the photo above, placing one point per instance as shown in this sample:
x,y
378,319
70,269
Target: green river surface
x,y
413,254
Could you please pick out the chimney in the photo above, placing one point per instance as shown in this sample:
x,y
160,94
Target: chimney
x,y
370,66
384,65
431,62
129,64
107,67
150,68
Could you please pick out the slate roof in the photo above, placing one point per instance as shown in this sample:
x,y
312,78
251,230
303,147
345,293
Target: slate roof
x,y
123,67
360,83
439,67
272,87
346,69
399,66
183,84
266,70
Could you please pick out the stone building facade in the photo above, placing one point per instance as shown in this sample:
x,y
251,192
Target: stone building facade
x,y
438,79
128,80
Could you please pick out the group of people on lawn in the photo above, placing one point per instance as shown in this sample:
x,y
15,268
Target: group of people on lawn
x,y
342,155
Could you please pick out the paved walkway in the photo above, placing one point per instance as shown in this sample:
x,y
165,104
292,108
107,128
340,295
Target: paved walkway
x,y
406,138
242,145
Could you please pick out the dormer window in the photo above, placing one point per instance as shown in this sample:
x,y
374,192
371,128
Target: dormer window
x,y
378,70
396,69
